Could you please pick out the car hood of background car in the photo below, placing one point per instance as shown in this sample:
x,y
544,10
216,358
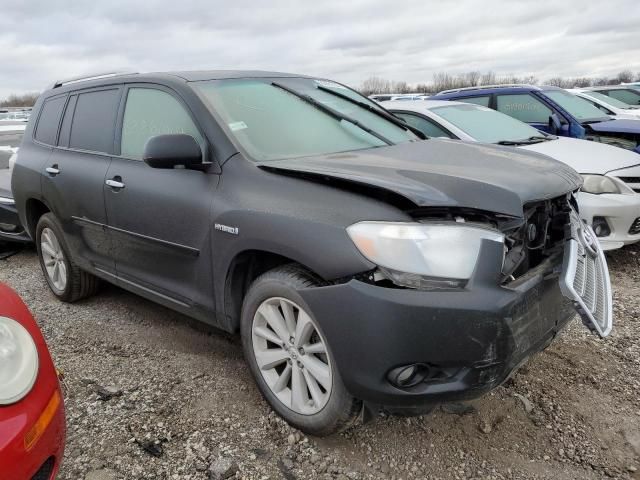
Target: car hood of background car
x,y
619,126
585,156
450,173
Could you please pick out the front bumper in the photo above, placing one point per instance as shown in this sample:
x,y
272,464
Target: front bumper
x,y
620,212
10,226
473,339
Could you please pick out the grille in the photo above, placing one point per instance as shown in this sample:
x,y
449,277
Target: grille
x,y
585,278
635,227
635,181
45,471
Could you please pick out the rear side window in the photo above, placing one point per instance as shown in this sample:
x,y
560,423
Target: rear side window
x,y
524,107
94,120
47,128
151,112
429,128
484,100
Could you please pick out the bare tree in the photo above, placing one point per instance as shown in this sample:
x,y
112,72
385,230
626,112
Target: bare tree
x,y
375,85
624,76
25,100
558,82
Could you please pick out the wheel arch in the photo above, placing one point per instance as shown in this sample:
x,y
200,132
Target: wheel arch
x,y
34,209
243,269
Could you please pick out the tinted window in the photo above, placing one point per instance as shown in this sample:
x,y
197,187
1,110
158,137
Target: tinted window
x,y
608,100
47,128
524,107
627,96
149,113
94,121
65,129
429,128
484,101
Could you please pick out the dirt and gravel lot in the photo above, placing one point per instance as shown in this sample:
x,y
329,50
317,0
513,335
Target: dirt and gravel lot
x,y
151,395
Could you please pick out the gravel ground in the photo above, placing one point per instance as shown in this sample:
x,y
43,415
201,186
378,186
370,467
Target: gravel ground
x,y
152,395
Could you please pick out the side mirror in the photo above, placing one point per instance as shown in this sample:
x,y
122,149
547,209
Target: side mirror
x,y
554,124
168,151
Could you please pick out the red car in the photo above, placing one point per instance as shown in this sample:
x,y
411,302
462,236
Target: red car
x,y
32,425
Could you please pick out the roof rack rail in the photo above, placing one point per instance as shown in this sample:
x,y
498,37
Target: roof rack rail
x,y
484,87
94,76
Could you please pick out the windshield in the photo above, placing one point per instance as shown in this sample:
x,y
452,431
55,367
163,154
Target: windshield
x,y
485,124
276,118
614,102
580,108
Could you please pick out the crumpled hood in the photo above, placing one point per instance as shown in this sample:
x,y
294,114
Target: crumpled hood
x,y
585,156
612,126
451,173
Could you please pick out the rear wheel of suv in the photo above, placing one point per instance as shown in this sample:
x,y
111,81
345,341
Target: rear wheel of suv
x,y
289,356
65,279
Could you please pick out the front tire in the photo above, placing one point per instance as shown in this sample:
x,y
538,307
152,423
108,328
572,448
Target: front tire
x,y
65,279
290,358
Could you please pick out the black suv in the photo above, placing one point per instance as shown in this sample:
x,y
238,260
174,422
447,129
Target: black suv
x,y
364,267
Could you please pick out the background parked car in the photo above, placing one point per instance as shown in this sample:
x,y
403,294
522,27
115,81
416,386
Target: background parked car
x,y
10,227
552,110
609,105
32,424
606,201
629,94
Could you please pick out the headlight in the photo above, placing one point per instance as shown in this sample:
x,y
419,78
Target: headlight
x,y
598,184
417,255
18,361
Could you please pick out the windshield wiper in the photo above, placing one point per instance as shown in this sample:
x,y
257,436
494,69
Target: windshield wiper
x,y
526,141
331,112
376,111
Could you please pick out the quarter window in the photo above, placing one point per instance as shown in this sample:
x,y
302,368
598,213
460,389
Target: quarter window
x,y
94,121
149,113
524,107
47,128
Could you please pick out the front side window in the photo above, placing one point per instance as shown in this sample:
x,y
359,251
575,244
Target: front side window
x,y
149,113
47,128
484,124
631,97
271,122
425,125
578,107
94,121
524,107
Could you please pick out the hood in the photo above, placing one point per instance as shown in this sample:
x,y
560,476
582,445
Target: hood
x,y
450,173
613,126
585,156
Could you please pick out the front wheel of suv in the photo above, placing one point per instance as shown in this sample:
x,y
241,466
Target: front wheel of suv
x,y
290,357
65,279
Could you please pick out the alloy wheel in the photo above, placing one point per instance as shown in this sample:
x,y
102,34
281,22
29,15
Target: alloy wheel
x,y
292,355
53,259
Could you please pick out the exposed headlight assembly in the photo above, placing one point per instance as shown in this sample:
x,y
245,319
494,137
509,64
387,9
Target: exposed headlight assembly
x,y
18,361
599,184
423,256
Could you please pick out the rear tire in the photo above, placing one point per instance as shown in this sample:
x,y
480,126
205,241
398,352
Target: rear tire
x,y
65,279
303,387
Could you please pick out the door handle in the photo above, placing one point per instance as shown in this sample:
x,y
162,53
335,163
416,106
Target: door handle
x,y
53,170
113,183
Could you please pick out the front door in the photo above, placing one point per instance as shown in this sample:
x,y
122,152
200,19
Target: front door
x,y
159,219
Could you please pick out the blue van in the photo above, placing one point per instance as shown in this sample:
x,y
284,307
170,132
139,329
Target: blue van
x,y
552,110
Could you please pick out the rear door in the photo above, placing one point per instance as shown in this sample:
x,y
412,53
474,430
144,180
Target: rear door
x,y
159,219
74,174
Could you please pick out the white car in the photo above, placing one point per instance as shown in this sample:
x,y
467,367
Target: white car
x,y
609,105
607,200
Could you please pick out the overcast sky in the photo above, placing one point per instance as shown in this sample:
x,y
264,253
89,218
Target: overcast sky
x,y
349,41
